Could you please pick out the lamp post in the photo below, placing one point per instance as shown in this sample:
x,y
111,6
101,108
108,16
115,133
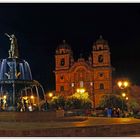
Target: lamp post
x,y
123,95
123,84
81,90
50,95
126,98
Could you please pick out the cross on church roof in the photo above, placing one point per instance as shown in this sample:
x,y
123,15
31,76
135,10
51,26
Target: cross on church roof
x,y
100,37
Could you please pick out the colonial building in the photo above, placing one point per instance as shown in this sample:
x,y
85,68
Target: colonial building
x,y
94,74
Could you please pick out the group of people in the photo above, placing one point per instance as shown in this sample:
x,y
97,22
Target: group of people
x,y
113,112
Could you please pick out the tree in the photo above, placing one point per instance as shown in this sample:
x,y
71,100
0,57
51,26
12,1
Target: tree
x,y
133,106
112,101
75,101
57,102
79,101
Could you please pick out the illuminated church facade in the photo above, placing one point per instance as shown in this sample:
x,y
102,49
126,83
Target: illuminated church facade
x,y
94,74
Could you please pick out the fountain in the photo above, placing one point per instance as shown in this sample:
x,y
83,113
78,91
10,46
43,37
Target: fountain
x,y
18,91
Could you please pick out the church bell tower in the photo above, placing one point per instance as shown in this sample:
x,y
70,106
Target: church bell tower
x,y
63,62
63,56
102,68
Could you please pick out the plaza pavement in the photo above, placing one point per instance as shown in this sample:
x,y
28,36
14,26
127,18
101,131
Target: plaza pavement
x,y
67,122
74,126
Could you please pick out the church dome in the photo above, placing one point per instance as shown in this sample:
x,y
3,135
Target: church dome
x,y
101,41
63,48
64,45
100,44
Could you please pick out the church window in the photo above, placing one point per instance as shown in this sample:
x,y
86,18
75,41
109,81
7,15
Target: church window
x,y
62,63
72,84
100,47
62,88
61,77
101,74
101,86
100,58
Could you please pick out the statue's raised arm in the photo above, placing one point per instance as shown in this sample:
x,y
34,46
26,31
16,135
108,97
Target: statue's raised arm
x,y
13,52
7,35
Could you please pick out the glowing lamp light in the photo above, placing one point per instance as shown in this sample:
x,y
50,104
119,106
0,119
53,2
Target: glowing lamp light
x,y
126,98
4,97
119,83
50,94
125,83
78,90
81,90
32,97
123,94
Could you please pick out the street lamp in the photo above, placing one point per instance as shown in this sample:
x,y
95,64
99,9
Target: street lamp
x,y
4,97
126,98
81,90
123,84
123,95
32,97
50,94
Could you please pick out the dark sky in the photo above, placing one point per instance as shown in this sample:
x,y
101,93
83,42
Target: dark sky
x,y
39,28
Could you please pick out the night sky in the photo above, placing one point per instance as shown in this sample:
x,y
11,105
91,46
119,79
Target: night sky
x,y
40,28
